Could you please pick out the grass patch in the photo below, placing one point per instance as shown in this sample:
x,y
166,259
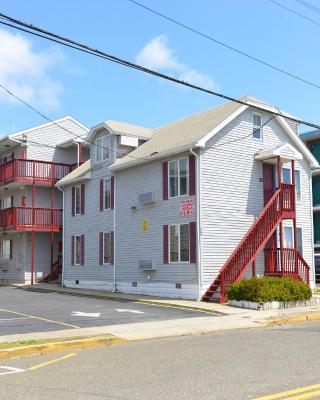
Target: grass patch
x,y
269,289
34,342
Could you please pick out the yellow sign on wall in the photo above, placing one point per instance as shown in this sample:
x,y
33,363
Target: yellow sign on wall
x,y
144,225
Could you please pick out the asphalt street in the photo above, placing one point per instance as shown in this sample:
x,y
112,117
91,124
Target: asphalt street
x,y
26,312
245,364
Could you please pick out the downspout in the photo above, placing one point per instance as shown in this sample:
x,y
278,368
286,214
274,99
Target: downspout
x,y
198,222
114,235
63,242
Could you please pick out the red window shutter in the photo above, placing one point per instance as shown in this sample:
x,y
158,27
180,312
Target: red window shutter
x,y
165,244
165,180
112,248
82,199
73,205
101,248
193,242
192,174
101,195
11,249
72,250
112,192
82,250
23,201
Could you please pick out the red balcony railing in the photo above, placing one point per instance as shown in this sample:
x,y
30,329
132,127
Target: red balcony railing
x,y
287,263
28,218
24,171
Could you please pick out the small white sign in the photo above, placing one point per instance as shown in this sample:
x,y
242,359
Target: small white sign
x,y
187,207
131,311
83,314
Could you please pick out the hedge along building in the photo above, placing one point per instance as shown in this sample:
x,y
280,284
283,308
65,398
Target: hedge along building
x,y
192,206
31,162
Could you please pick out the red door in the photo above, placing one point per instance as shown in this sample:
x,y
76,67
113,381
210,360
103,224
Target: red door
x,y
268,191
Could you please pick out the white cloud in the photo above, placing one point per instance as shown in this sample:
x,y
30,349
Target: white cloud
x,y
157,55
28,73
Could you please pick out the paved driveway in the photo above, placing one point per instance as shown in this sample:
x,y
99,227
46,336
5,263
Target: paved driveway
x,y
25,312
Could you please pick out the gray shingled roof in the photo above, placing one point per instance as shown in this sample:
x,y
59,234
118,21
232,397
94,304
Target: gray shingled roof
x,y
129,129
75,174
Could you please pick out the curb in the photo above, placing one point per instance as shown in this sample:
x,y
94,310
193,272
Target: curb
x,y
115,298
295,319
59,345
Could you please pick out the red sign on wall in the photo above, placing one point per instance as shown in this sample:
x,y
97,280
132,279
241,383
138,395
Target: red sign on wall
x,y
187,207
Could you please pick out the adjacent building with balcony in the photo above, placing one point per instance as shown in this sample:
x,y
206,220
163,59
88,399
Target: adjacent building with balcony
x,y
31,163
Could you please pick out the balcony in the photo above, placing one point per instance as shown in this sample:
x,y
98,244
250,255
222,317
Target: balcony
x,y
29,171
28,219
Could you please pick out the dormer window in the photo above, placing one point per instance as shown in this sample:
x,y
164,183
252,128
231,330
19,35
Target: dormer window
x,y
102,148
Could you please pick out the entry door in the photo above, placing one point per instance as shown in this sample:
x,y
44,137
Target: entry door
x,y
269,183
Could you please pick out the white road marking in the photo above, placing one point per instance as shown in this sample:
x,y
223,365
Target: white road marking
x,y
132,311
10,370
83,314
11,319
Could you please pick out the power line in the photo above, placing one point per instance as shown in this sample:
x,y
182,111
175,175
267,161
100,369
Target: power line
x,y
82,47
309,5
197,32
295,12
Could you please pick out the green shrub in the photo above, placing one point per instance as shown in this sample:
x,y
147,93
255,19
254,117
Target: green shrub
x,y
269,289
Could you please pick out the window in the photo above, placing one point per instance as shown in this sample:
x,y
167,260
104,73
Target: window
x,y
77,250
288,237
107,248
178,177
6,202
300,240
179,243
107,193
286,178
102,148
5,249
77,200
257,126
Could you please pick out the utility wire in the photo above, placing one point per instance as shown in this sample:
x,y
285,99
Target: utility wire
x,y
295,12
309,5
82,47
197,32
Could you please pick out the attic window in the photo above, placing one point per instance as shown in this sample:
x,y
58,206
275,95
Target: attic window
x,y
257,125
102,148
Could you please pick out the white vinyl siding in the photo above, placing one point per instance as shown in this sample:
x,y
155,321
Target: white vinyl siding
x,y
102,148
257,125
107,248
179,243
178,177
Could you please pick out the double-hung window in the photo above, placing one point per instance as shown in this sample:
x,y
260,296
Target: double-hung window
x,y
77,200
286,178
178,177
6,249
257,125
107,193
289,238
107,248
77,250
179,243
103,148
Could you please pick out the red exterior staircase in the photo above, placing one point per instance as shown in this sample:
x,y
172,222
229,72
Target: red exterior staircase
x,y
280,206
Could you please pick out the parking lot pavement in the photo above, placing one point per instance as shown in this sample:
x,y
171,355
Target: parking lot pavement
x,y
26,312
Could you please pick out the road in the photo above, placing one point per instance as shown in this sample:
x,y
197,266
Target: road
x,y
238,365
26,312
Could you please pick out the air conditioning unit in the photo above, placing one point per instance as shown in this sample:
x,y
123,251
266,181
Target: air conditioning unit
x,y
147,265
148,198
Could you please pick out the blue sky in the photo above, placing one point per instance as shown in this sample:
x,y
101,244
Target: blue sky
x,y
60,81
